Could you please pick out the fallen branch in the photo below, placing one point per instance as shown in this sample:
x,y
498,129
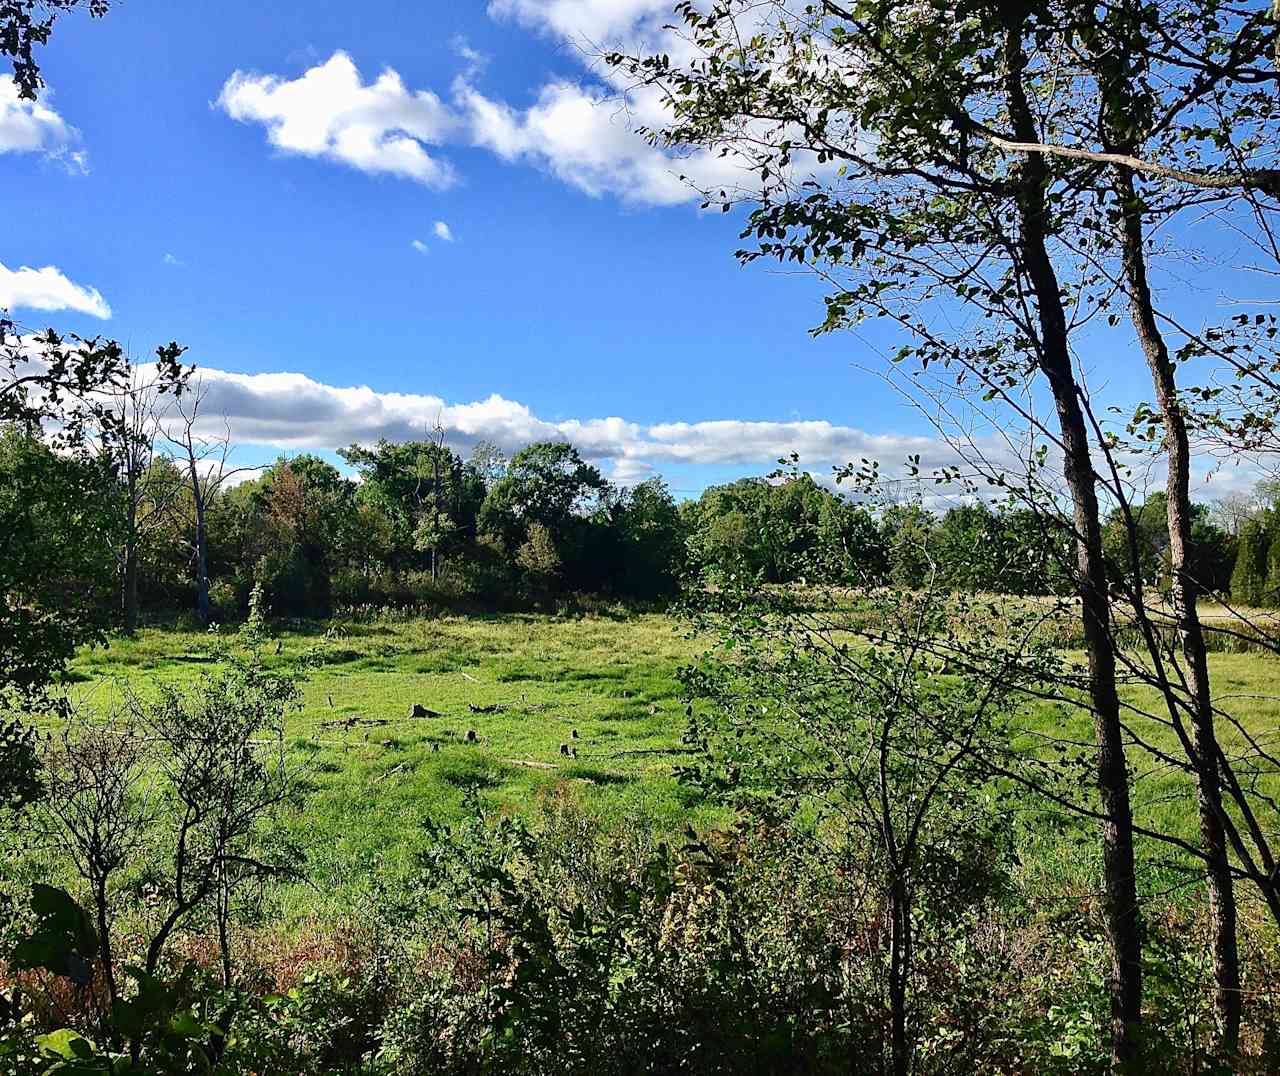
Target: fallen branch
x,y
354,722
394,769
640,751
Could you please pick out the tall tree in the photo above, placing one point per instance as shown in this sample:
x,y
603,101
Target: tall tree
x,y
54,391
56,536
129,441
1183,110
205,458
424,488
925,214
548,483
303,510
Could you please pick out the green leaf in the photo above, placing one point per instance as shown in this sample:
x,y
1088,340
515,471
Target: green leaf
x,y
66,1044
186,1025
57,910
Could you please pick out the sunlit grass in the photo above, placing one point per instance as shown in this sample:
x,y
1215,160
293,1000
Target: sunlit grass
x,y
602,687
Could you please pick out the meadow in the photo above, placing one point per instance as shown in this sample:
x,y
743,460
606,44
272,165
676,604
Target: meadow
x,y
524,707
528,688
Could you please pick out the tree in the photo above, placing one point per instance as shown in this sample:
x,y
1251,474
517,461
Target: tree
x,y
207,472
548,483
850,545
862,753
539,559
191,780
488,462
1137,540
653,540
927,214
416,480
1233,510
56,567
221,750
908,536
53,532
772,527
1149,106
70,383
304,511
129,443
1115,121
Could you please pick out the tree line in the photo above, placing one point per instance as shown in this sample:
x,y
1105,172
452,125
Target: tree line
x,y
133,529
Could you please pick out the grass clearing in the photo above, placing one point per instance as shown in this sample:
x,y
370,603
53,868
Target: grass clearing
x,y
532,688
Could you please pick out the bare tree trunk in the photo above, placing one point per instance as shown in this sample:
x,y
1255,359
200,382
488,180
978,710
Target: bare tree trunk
x,y
203,609
102,912
1185,590
224,935
899,972
129,555
197,451
129,582
1120,903
435,521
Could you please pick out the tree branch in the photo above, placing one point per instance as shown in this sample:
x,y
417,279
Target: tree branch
x,y
1266,180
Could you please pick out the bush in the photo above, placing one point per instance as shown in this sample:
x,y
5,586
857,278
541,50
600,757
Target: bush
x,y
226,601
294,584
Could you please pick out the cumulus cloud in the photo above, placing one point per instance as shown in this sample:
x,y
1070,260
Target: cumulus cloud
x,y
34,127
594,20
443,231
48,289
581,130
419,246
329,112
585,137
294,412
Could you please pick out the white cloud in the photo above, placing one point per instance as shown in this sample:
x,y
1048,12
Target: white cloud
x,y
48,289
419,246
170,259
443,231
581,131
34,127
595,22
292,411
585,137
476,61
329,112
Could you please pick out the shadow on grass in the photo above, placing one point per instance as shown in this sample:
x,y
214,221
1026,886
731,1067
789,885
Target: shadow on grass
x,y
598,776
473,773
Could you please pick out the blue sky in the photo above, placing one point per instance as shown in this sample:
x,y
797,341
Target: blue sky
x,y
192,163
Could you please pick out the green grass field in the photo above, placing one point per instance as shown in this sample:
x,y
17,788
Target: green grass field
x,y
602,687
